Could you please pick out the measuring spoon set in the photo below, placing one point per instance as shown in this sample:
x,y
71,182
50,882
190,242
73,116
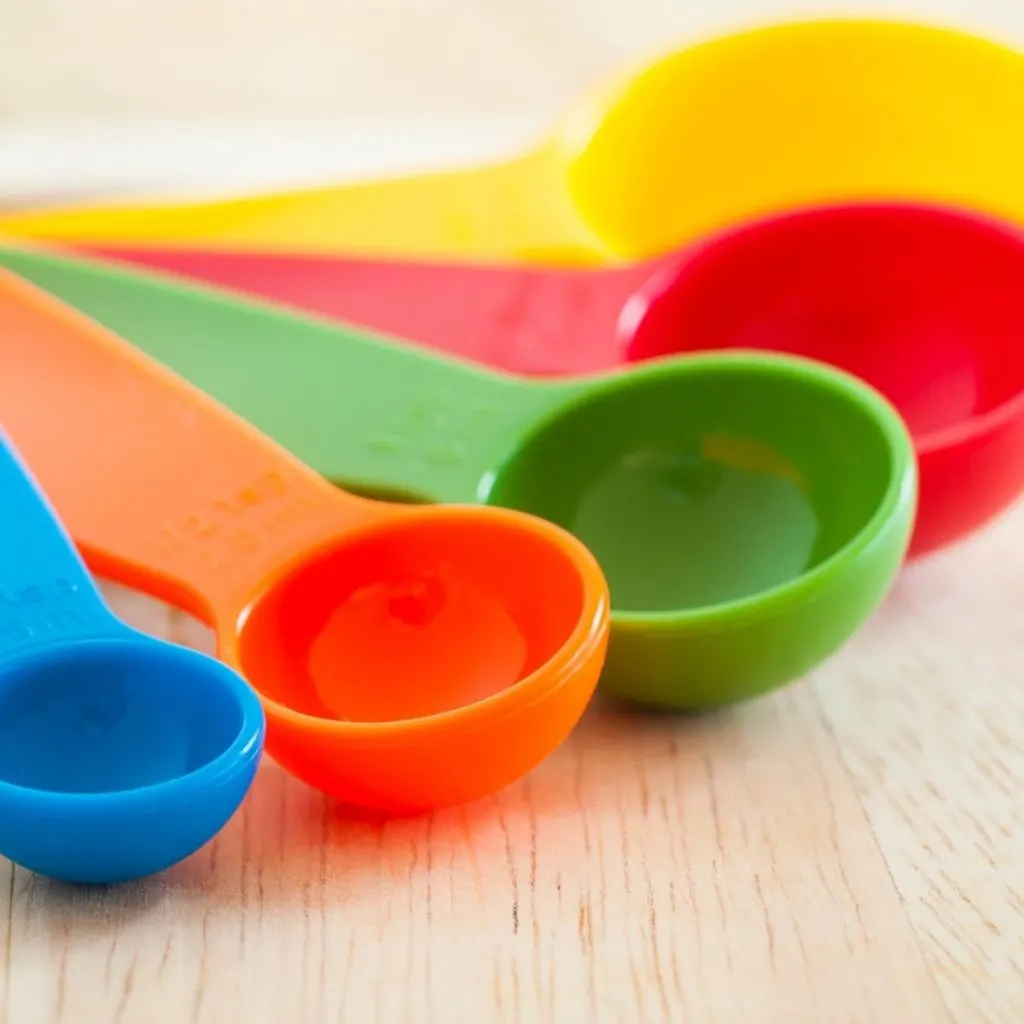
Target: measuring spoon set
x,y
409,655
430,506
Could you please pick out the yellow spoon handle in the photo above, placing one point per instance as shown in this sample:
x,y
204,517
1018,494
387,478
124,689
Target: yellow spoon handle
x,y
516,208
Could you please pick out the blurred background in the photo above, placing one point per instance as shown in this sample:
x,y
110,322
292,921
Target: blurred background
x,y
115,96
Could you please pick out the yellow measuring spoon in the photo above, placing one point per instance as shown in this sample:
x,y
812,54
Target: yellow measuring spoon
x,y
746,124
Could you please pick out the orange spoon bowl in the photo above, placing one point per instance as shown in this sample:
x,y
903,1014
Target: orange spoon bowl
x,y
407,656
450,652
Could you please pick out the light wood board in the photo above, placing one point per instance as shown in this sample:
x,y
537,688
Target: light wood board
x,y
849,851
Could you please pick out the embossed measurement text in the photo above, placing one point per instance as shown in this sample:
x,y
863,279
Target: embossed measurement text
x,y
435,430
45,610
241,523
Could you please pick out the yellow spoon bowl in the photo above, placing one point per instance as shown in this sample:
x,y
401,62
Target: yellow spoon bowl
x,y
732,128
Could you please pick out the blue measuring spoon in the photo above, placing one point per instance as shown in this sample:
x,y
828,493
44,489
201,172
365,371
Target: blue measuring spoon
x,y
120,754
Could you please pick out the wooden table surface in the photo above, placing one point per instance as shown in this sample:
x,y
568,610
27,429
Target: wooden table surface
x,y
848,850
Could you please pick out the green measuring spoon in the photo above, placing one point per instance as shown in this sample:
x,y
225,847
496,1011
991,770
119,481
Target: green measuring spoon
x,y
749,510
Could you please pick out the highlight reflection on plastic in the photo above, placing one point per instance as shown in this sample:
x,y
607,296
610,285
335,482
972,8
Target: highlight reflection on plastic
x,y
413,626
675,530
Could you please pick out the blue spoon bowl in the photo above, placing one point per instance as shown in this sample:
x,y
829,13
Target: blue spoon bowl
x,y
120,754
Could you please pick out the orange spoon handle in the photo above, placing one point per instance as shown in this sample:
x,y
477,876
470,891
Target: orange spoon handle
x,y
162,488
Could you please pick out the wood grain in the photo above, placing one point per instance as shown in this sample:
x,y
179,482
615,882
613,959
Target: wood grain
x,y
929,721
714,869
849,851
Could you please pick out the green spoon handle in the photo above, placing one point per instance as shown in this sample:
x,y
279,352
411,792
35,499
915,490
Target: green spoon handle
x,y
375,416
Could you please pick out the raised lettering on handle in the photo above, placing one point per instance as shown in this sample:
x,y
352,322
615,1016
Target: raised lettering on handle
x,y
224,533
46,592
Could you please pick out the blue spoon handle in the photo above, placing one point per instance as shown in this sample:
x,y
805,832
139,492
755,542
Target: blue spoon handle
x,y
47,595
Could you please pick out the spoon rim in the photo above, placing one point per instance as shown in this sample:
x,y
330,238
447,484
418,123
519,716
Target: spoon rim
x,y
841,387
717,246
574,134
564,667
237,758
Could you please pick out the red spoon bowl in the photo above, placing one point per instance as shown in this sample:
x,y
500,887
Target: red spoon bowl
x,y
926,303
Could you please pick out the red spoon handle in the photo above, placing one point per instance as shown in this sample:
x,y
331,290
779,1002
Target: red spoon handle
x,y
535,321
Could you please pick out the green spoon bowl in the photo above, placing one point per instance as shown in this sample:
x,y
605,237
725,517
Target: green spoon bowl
x,y
750,510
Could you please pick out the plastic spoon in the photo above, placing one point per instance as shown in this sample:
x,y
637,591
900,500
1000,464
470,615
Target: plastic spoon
x,y
705,137
748,509
406,657
924,303
120,754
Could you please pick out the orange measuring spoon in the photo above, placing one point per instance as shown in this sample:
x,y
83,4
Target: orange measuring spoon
x,y
406,656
